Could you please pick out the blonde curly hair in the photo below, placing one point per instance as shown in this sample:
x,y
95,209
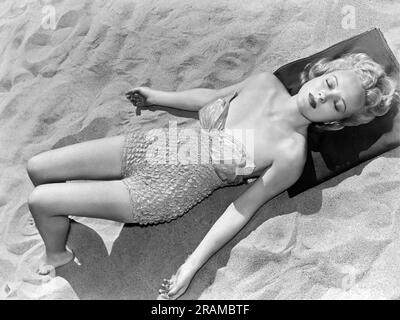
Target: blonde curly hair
x,y
380,90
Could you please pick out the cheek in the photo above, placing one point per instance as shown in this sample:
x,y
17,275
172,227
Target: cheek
x,y
305,87
303,93
324,112
328,108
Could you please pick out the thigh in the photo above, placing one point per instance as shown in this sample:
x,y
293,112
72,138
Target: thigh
x,y
94,159
96,199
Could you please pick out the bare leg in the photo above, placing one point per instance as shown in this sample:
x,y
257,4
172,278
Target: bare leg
x,y
98,159
51,204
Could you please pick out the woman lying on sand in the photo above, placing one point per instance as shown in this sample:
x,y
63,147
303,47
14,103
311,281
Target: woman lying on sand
x,y
147,189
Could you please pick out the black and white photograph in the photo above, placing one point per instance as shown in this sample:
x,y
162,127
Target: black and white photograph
x,y
209,150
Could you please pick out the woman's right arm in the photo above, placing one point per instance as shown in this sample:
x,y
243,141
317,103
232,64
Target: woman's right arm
x,y
281,175
285,170
192,99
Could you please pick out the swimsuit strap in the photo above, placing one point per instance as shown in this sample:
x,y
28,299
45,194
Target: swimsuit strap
x,y
220,122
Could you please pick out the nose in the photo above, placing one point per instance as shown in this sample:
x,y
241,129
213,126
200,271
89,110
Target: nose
x,y
321,96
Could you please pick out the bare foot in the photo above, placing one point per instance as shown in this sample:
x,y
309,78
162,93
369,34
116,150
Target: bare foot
x,y
53,261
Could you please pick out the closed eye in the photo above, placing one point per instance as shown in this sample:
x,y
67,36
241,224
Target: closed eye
x,y
344,102
336,107
329,84
339,108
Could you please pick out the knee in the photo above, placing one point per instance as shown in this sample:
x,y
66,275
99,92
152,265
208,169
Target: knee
x,y
33,168
36,201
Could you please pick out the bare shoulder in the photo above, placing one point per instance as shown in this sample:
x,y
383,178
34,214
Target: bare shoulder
x,y
264,78
285,170
269,80
260,78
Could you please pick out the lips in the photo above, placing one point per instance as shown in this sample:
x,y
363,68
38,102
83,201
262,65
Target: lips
x,y
312,101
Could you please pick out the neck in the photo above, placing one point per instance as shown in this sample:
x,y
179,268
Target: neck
x,y
291,115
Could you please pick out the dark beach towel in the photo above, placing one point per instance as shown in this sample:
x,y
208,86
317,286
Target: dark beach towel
x,y
333,152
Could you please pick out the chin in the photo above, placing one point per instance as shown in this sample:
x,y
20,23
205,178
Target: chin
x,y
304,108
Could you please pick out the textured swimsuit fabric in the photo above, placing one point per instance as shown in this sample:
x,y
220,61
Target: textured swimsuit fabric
x,y
161,191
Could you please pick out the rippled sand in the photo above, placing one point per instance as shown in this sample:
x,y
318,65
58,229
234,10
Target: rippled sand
x,y
63,81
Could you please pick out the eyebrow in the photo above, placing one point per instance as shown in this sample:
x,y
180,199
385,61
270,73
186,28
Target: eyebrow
x,y
344,102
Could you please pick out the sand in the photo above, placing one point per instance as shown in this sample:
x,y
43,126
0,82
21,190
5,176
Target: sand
x,y
62,81
339,243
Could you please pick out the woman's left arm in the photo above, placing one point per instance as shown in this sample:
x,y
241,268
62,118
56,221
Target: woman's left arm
x,y
277,178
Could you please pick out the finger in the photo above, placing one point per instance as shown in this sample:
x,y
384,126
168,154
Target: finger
x,y
165,285
138,97
129,94
162,297
173,291
162,291
173,296
138,101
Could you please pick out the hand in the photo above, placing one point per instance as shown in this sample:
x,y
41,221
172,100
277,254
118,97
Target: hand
x,y
140,96
177,285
